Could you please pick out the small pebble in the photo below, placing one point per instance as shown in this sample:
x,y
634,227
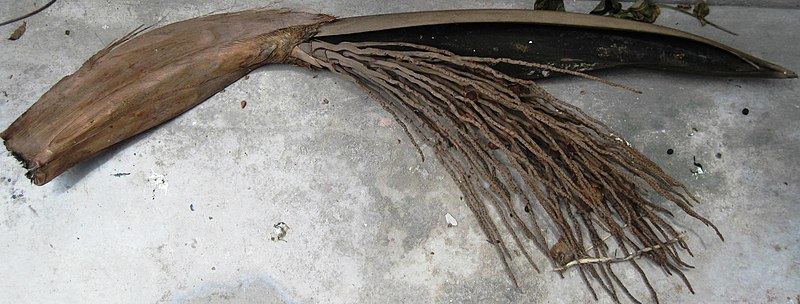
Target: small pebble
x,y
451,221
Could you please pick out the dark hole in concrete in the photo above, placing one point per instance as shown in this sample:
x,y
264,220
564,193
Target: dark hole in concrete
x,y
670,151
745,111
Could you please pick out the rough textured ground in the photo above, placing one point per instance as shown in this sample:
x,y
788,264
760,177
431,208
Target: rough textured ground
x,y
184,213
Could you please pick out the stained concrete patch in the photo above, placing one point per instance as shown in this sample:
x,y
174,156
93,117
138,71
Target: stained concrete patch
x,y
251,291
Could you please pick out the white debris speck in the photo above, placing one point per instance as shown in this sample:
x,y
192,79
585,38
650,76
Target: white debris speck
x,y
451,221
279,232
622,141
698,171
158,180
422,171
698,168
105,27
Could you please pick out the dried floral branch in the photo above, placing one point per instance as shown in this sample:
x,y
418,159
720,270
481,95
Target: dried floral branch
x,y
700,11
638,253
487,127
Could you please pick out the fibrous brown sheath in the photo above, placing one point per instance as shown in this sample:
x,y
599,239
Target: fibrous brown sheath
x,y
145,79
458,81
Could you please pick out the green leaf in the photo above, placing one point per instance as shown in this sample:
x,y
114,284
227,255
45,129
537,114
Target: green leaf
x,y
549,5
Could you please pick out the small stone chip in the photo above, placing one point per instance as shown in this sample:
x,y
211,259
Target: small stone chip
x,y
280,232
451,221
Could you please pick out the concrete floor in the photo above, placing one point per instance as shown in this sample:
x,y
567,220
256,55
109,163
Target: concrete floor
x,y
185,213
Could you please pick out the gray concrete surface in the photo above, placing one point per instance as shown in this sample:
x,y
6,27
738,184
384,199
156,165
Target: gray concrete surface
x,y
192,221
746,3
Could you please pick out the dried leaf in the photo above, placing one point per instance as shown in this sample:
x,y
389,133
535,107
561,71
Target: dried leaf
x,y
549,5
561,253
18,32
701,10
607,7
642,11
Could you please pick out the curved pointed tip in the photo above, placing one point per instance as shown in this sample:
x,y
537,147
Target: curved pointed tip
x,y
781,74
771,70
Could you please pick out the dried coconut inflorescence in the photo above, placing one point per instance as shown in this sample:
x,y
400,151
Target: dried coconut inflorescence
x,y
531,167
509,144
